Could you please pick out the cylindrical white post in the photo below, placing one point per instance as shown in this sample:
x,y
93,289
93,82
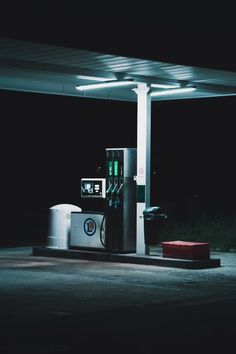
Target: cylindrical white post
x,y
143,178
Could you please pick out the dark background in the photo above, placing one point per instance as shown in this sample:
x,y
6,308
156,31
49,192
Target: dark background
x,y
49,142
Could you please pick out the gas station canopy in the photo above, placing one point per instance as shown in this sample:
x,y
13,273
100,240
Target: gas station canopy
x,y
42,68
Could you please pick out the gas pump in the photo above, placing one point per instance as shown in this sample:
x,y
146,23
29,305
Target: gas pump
x,y
113,229
121,199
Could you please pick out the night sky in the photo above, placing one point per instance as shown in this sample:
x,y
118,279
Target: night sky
x,y
49,142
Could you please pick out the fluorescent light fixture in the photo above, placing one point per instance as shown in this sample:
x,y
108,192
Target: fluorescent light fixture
x,y
173,91
165,86
104,85
93,78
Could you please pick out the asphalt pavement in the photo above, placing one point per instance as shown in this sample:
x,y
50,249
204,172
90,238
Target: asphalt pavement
x,y
56,305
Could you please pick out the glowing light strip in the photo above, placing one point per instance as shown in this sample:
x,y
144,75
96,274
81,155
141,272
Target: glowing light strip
x,y
104,85
93,78
173,91
165,86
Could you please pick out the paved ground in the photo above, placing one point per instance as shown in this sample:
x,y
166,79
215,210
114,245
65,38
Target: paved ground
x,y
55,305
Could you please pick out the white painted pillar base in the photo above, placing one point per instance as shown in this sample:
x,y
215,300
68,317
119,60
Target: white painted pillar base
x,y
143,178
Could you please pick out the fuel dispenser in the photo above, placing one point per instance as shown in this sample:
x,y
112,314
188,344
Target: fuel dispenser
x,y
121,199
113,229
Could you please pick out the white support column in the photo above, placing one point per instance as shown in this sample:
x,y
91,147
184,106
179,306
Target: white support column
x,y
143,161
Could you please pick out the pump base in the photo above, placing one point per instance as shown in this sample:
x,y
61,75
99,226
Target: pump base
x,y
132,258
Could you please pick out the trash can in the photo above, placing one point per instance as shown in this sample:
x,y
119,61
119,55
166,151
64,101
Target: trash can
x,y
59,225
154,221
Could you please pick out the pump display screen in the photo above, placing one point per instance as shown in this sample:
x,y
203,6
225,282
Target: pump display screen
x,y
115,168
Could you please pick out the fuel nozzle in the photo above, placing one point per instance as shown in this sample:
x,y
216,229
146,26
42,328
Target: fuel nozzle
x,y
109,189
120,188
114,189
